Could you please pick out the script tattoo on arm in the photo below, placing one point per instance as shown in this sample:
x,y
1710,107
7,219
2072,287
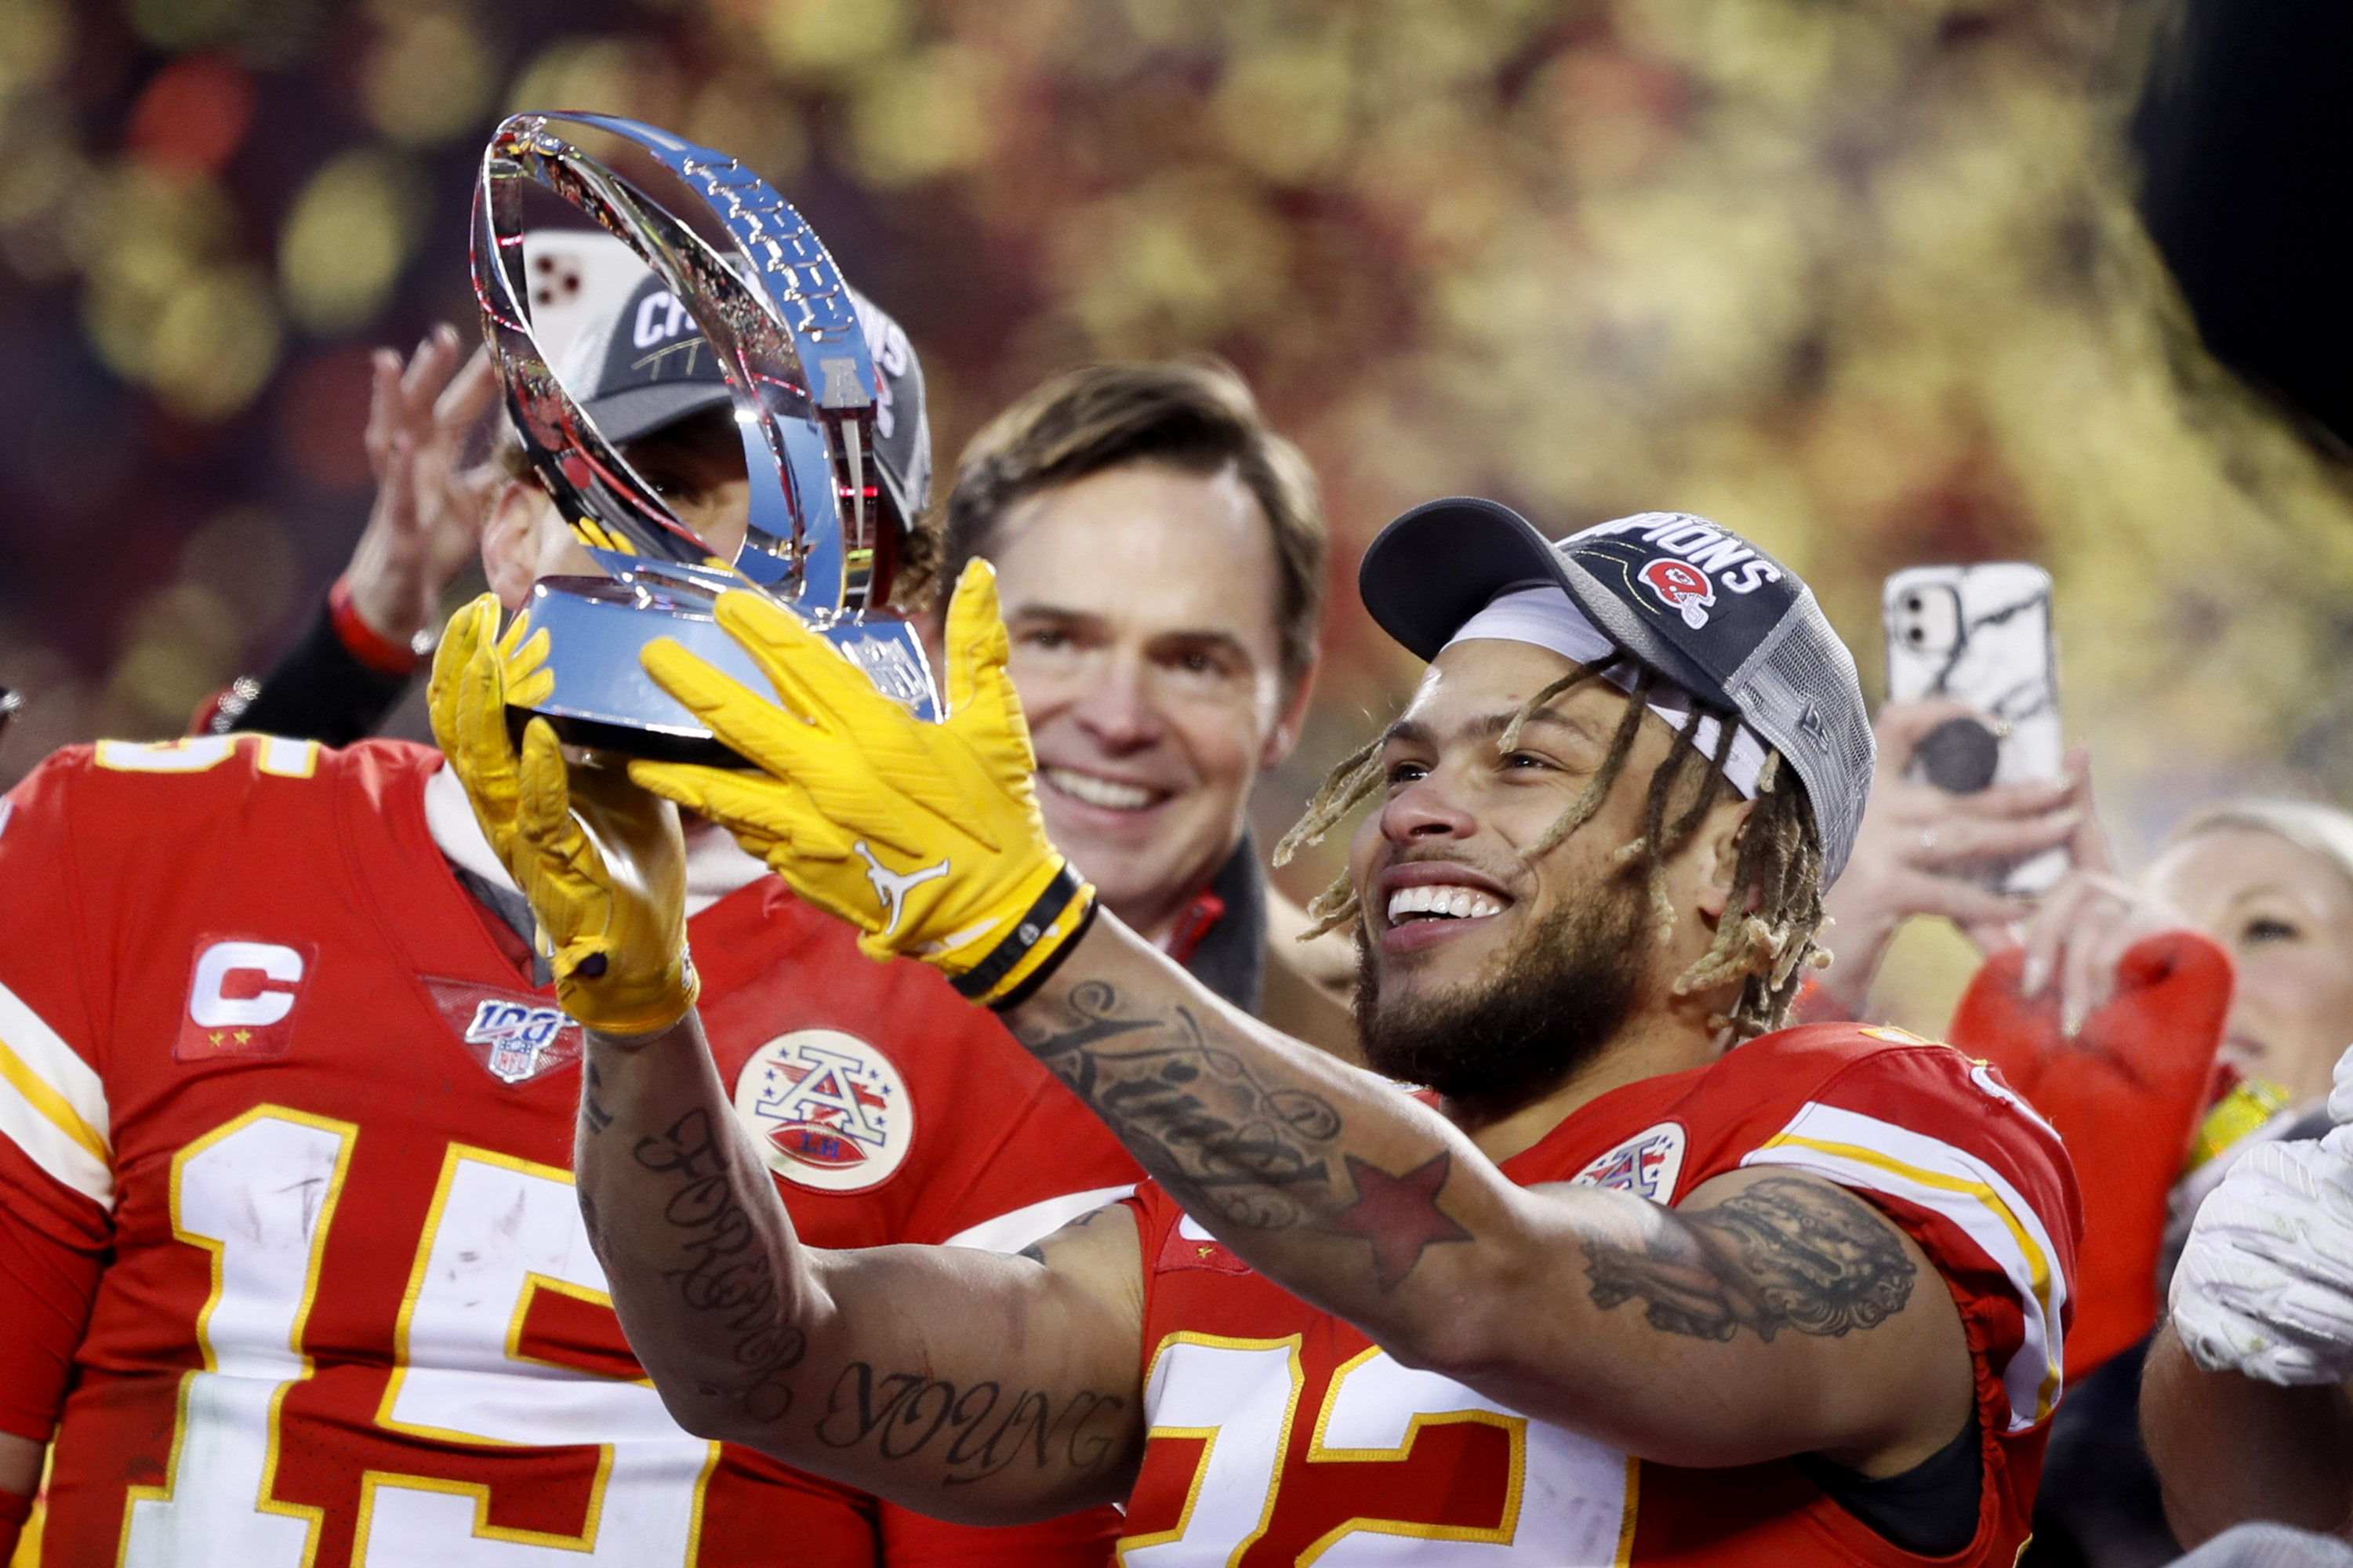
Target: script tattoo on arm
x,y
1218,1136
592,1109
731,1275
1783,1254
972,1431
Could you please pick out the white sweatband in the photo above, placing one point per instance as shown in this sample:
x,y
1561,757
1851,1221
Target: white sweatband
x,y
1545,617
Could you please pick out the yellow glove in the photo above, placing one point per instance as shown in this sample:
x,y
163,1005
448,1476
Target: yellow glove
x,y
924,836
603,863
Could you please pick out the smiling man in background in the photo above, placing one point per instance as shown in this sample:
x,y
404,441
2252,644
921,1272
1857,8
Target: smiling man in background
x,y
1161,558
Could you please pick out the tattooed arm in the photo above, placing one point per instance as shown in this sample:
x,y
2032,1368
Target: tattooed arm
x,y
1770,1314
960,1384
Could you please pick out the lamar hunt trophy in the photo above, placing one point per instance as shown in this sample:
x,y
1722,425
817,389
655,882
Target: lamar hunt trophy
x,y
787,338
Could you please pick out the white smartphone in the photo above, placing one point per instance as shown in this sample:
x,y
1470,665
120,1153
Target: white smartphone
x,y
1981,635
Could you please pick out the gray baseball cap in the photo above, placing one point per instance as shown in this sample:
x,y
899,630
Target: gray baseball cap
x,y
650,367
1686,597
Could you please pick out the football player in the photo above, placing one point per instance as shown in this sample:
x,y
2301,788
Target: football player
x,y
1638,1276
290,1257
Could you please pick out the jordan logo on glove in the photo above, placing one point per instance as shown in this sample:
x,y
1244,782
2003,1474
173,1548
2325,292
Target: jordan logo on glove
x,y
842,768
892,888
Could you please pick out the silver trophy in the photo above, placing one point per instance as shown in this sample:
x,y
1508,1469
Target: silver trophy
x,y
781,323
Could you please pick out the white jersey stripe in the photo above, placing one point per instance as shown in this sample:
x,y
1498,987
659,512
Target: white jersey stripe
x,y
52,1105
1017,1228
1857,1150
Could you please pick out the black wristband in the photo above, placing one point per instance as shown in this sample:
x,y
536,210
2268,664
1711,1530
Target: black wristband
x,y
976,982
1044,972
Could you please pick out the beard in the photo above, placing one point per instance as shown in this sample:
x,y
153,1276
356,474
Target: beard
x,y
1536,1013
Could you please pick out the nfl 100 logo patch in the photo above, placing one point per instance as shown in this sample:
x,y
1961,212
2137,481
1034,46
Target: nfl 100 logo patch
x,y
826,1108
1645,1165
514,1038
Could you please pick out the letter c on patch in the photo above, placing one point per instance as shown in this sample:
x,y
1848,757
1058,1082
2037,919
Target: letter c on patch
x,y
265,973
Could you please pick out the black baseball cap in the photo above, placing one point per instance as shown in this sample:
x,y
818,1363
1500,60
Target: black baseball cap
x,y
650,366
1686,597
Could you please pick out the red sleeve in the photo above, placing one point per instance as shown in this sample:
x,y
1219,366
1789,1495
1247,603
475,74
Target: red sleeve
x,y
1053,1162
1971,1173
54,1118
56,1184
1075,1540
45,1290
2126,1094
14,1511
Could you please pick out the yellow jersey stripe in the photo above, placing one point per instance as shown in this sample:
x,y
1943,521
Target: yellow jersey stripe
x,y
2037,1264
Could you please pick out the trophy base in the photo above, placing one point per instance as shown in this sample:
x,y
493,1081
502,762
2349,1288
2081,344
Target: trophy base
x,y
598,626
646,745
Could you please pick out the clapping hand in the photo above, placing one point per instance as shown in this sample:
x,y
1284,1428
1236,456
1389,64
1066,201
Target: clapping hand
x,y
427,517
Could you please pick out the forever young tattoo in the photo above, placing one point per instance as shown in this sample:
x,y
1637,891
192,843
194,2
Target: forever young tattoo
x,y
1215,1134
905,1415
731,1275
1783,1254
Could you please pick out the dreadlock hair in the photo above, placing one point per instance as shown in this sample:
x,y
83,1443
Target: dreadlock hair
x,y
1765,938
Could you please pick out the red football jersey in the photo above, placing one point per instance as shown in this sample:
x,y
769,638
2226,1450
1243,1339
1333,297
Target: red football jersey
x,y
274,1079
1279,1435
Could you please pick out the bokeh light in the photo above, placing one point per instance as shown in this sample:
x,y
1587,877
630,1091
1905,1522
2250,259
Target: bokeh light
x,y
1864,281
346,239
429,74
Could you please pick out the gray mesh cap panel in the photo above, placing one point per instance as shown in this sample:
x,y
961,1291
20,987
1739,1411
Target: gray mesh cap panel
x,y
1788,691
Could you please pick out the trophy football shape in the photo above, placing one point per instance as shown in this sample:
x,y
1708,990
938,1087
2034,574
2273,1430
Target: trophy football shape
x,y
821,540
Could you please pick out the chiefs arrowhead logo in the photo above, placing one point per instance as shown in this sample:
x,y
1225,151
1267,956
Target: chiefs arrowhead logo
x,y
1680,586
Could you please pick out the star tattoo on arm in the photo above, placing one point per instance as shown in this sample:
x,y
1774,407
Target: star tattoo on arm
x,y
1398,1216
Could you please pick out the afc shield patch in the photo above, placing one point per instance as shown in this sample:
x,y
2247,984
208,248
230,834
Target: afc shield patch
x,y
829,1111
1647,1165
